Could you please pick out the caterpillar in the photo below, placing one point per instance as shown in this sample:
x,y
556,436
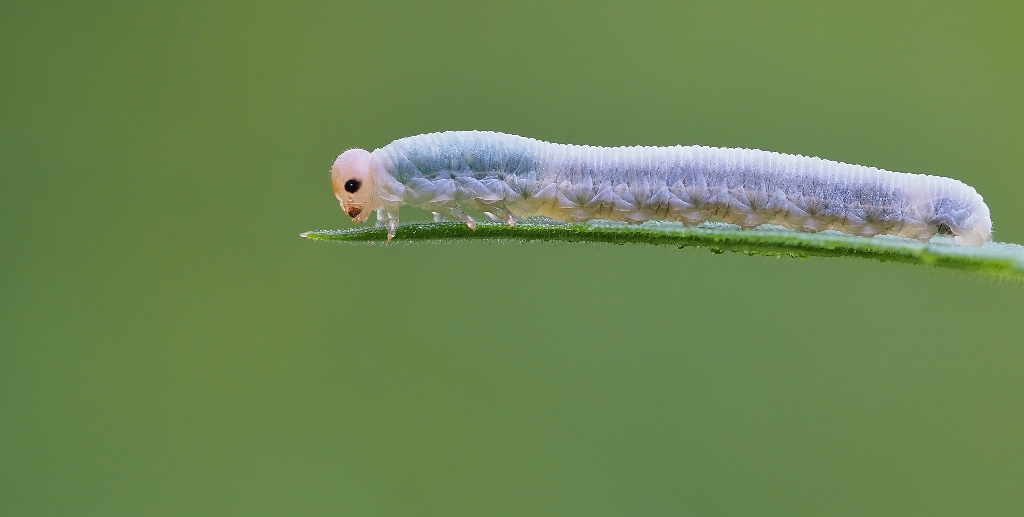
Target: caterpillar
x,y
509,177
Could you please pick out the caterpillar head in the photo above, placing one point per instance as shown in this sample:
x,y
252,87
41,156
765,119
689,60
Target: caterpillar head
x,y
352,178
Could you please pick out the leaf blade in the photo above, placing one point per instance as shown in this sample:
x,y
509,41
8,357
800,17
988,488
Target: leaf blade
x,y
994,258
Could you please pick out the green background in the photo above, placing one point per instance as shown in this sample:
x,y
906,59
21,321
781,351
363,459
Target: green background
x,y
170,346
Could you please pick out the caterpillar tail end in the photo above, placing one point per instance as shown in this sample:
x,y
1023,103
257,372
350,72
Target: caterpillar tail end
x,y
978,228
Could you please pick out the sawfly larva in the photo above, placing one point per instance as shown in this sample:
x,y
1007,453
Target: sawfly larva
x,y
509,177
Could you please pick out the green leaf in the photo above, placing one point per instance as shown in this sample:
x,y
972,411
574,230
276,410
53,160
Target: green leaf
x,y
993,258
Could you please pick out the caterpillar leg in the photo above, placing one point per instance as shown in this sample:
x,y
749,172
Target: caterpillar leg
x,y
498,213
389,219
456,213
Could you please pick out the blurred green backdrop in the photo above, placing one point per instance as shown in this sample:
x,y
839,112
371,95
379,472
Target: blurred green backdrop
x,y
170,346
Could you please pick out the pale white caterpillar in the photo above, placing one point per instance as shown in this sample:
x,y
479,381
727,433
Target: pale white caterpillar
x,y
509,177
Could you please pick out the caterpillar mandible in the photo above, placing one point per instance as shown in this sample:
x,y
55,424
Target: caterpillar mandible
x,y
509,177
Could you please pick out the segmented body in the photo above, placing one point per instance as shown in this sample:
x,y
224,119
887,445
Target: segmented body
x,y
511,176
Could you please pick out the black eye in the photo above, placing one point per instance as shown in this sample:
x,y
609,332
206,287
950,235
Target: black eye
x,y
351,186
